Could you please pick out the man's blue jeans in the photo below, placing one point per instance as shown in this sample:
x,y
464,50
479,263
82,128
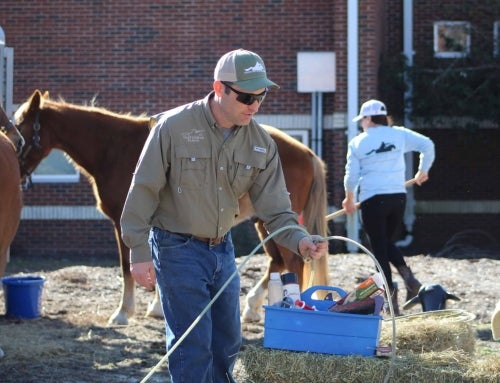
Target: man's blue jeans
x,y
189,273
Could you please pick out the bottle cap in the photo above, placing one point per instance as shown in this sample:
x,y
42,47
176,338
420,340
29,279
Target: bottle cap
x,y
275,275
287,278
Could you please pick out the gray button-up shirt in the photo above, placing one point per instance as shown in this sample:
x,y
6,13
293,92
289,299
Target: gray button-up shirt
x,y
189,179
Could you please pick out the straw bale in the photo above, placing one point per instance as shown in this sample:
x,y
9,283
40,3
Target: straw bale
x,y
433,348
432,331
279,366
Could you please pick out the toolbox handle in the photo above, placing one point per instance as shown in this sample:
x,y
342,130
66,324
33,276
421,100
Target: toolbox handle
x,y
321,305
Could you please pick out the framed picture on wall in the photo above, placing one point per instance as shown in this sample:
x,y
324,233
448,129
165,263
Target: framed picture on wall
x,y
451,39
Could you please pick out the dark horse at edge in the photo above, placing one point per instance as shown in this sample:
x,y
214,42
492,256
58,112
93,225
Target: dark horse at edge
x,y
10,188
105,147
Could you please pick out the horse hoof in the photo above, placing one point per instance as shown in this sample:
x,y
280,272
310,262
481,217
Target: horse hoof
x,y
154,310
118,318
249,316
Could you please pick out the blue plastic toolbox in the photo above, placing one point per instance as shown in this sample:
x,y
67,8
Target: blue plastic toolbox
x,y
321,331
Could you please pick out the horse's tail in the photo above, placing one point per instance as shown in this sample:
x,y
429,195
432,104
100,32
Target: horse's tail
x,y
315,217
316,207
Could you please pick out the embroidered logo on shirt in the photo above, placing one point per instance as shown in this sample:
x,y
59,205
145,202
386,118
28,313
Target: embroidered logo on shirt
x,y
258,149
256,68
193,135
382,148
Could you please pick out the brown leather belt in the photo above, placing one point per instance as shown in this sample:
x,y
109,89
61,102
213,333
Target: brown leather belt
x,y
211,241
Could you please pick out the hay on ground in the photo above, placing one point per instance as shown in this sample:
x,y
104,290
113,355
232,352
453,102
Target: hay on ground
x,y
278,366
432,331
430,348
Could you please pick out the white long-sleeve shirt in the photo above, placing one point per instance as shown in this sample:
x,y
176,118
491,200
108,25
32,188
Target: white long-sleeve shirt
x,y
376,162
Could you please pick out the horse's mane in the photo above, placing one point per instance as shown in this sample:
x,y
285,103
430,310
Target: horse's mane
x,y
61,103
125,122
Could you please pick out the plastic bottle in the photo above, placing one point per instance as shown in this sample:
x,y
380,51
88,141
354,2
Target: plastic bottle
x,y
274,289
291,286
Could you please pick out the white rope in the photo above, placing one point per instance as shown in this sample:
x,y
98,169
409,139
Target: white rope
x,y
245,260
195,322
391,308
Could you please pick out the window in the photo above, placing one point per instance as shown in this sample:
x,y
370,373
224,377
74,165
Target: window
x,y
496,39
56,168
299,135
451,39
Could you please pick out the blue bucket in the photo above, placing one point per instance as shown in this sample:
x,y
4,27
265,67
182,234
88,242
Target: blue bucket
x,y
23,296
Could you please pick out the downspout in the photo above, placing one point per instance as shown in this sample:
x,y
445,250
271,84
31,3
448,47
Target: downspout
x,y
409,216
314,123
352,220
2,71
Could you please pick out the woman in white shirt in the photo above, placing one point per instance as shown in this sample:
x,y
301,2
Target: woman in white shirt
x,y
375,169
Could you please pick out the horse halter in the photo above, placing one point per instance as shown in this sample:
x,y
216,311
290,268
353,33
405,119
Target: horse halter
x,y
7,126
35,143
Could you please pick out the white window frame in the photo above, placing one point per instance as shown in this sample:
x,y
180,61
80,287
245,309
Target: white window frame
x,y
452,28
55,178
301,135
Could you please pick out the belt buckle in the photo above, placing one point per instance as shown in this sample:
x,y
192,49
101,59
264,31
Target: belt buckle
x,y
212,242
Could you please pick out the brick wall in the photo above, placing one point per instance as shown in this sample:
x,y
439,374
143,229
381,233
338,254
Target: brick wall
x,y
145,57
481,15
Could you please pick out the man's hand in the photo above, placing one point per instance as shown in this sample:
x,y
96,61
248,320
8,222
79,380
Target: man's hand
x,y
144,274
314,246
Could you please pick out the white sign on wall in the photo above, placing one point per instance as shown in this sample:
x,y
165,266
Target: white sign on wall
x,y
315,72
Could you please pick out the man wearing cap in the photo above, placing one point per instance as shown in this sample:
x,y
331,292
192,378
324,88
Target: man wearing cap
x,y
375,168
198,160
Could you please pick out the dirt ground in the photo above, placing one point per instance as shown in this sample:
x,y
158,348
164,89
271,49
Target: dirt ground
x,y
72,342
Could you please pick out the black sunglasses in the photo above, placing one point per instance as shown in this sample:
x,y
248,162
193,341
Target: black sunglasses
x,y
247,98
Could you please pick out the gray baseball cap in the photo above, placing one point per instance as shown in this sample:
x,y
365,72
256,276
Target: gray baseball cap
x,y
243,68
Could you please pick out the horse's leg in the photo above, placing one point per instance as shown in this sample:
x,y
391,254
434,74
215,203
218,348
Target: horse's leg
x,y
3,257
255,297
3,262
254,301
154,307
127,303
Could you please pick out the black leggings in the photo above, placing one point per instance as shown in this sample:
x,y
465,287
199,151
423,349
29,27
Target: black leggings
x,y
382,216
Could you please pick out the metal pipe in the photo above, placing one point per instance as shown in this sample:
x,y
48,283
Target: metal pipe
x,y
314,123
320,125
409,215
352,221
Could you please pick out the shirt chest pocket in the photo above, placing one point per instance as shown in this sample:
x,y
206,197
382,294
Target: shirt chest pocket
x,y
192,168
247,168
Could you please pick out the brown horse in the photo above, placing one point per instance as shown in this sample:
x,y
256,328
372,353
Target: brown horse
x,y
10,131
10,197
105,146
10,189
